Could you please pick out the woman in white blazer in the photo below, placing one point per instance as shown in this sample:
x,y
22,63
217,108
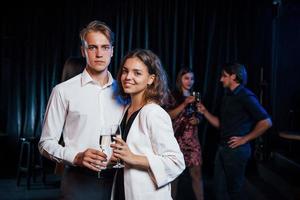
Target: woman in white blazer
x,y
149,150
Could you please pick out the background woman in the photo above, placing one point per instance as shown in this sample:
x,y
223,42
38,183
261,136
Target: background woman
x,y
185,122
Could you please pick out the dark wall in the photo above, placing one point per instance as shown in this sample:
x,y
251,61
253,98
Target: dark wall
x,y
287,106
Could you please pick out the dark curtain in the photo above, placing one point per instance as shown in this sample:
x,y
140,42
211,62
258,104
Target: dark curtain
x,y
201,34
286,107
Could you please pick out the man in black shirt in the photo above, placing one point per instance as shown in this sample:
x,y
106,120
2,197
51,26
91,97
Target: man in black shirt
x,y
241,120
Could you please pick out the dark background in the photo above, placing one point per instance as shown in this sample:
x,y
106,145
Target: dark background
x,y
36,39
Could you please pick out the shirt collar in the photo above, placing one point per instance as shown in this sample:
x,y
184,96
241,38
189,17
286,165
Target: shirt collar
x,y
86,78
235,91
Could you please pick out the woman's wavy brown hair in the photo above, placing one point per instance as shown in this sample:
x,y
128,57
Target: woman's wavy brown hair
x,y
158,90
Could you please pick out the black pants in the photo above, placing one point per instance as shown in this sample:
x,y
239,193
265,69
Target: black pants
x,y
81,183
229,172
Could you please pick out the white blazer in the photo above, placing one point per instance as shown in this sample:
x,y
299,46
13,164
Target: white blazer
x,y
152,135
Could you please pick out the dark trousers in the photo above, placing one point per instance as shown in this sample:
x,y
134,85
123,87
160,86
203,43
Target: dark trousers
x,y
81,183
229,171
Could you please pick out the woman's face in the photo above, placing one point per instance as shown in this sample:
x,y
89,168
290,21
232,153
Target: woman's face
x,y
135,76
187,81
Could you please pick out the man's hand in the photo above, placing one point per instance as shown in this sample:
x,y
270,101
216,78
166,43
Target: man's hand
x,y
236,141
92,159
201,108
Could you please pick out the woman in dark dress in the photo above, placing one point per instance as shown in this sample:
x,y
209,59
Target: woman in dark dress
x,y
185,123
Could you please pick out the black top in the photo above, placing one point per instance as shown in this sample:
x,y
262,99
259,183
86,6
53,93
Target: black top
x,y
119,193
240,111
125,127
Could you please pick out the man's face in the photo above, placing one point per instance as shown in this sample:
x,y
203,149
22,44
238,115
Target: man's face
x,y
98,51
227,79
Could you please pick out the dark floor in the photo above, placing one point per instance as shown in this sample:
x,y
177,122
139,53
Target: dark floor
x,y
50,191
262,183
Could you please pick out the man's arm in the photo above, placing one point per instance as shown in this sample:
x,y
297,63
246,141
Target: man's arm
x,y
259,114
52,127
213,120
260,128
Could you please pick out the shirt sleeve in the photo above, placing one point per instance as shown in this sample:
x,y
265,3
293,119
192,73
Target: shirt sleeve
x,y
52,129
255,109
167,162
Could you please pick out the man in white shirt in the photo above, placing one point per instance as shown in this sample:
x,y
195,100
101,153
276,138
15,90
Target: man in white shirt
x,y
78,108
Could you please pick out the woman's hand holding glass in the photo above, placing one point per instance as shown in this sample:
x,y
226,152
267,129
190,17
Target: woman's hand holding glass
x,y
117,133
122,152
188,100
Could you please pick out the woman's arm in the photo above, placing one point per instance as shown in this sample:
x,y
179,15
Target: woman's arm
x,y
176,111
162,157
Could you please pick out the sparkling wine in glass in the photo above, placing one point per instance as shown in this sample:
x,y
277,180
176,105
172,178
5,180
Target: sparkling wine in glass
x,y
197,96
105,140
192,109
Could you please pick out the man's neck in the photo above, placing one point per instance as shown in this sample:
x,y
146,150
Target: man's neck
x,y
233,86
100,77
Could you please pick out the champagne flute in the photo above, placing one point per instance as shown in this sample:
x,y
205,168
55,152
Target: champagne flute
x,y
197,96
193,107
105,140
117,132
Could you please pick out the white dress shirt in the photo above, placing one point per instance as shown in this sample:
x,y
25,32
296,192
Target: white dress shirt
x,y
151,134
78,108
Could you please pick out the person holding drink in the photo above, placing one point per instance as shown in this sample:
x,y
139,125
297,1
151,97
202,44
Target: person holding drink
x,y
148,148
107,137
241,119
80,108
183,111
